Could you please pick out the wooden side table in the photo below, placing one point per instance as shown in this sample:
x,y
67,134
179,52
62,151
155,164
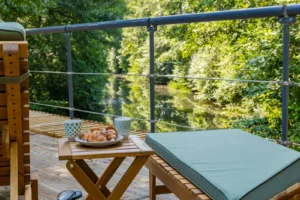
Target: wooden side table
x,y
94,186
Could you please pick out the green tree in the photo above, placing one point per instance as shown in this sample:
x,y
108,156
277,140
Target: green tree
x,y
90,49
239,49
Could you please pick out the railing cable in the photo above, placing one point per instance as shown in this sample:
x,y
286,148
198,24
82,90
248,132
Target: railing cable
x,y
49,72
109,115
48,105
109,74
85,111
176,125
169,76
219,79
87,73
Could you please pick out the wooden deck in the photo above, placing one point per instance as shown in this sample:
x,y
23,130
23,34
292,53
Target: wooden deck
x,y
53,175
53,125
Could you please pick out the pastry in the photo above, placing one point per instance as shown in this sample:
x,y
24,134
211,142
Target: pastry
x,y
82,133
99,134
98,138
95,129
111,134
113,130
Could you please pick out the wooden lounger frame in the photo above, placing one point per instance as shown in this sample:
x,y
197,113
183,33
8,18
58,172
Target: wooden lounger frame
x,y
14,121
175,183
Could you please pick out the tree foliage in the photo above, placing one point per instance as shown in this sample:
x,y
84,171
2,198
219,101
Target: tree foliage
x,y
241,49
48,52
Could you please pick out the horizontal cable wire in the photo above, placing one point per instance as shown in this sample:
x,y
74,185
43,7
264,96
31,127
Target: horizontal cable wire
x,y
87,73
229,80
48,72
48,105
96,113
219,79
85,111
109,115
295,83
109,74
176,125
92,73
166,76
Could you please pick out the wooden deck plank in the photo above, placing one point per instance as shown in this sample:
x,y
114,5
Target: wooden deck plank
x,y
53,125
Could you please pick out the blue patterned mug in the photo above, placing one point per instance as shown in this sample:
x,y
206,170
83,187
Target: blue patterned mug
x,y
123,126
73,128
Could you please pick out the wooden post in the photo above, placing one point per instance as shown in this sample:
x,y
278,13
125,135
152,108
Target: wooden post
x,y
152,186
5,142
27,195
15,106
14,171
34,186
11,59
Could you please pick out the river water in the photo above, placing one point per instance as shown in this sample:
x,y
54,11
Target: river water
x,y
130,97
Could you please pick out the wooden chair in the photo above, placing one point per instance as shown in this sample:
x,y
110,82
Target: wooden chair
x,y
14,116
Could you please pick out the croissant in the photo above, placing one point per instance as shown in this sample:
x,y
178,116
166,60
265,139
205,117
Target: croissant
x,y
82,133
99,135
98,138
95,129
111,134
89,137
112,130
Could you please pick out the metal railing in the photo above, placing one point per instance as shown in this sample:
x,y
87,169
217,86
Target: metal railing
x,y
286,15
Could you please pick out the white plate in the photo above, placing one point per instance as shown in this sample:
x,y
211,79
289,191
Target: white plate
x,y
98,144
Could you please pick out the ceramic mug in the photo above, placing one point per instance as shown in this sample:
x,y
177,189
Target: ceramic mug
x,y
73,128
123,126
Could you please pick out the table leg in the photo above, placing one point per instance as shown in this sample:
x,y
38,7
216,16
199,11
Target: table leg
x,y
152,184
86,168
107,174
85,181
128,177
91,174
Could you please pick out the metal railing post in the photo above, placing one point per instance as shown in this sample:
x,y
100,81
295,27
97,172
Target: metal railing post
x,y
286,21
70,75
151,30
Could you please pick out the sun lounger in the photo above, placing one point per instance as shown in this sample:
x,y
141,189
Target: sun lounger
x,y
222,164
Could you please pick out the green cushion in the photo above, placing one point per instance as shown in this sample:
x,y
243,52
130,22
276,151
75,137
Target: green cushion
x,y
229,164
11,31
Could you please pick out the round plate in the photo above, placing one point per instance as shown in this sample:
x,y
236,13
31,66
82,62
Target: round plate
x,y
98,144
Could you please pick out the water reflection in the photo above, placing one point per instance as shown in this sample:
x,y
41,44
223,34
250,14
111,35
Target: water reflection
x,y
130,97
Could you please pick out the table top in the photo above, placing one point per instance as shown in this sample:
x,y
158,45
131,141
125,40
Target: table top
x,y
134,146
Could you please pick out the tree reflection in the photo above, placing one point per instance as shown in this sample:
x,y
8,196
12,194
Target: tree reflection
x,y
130,97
